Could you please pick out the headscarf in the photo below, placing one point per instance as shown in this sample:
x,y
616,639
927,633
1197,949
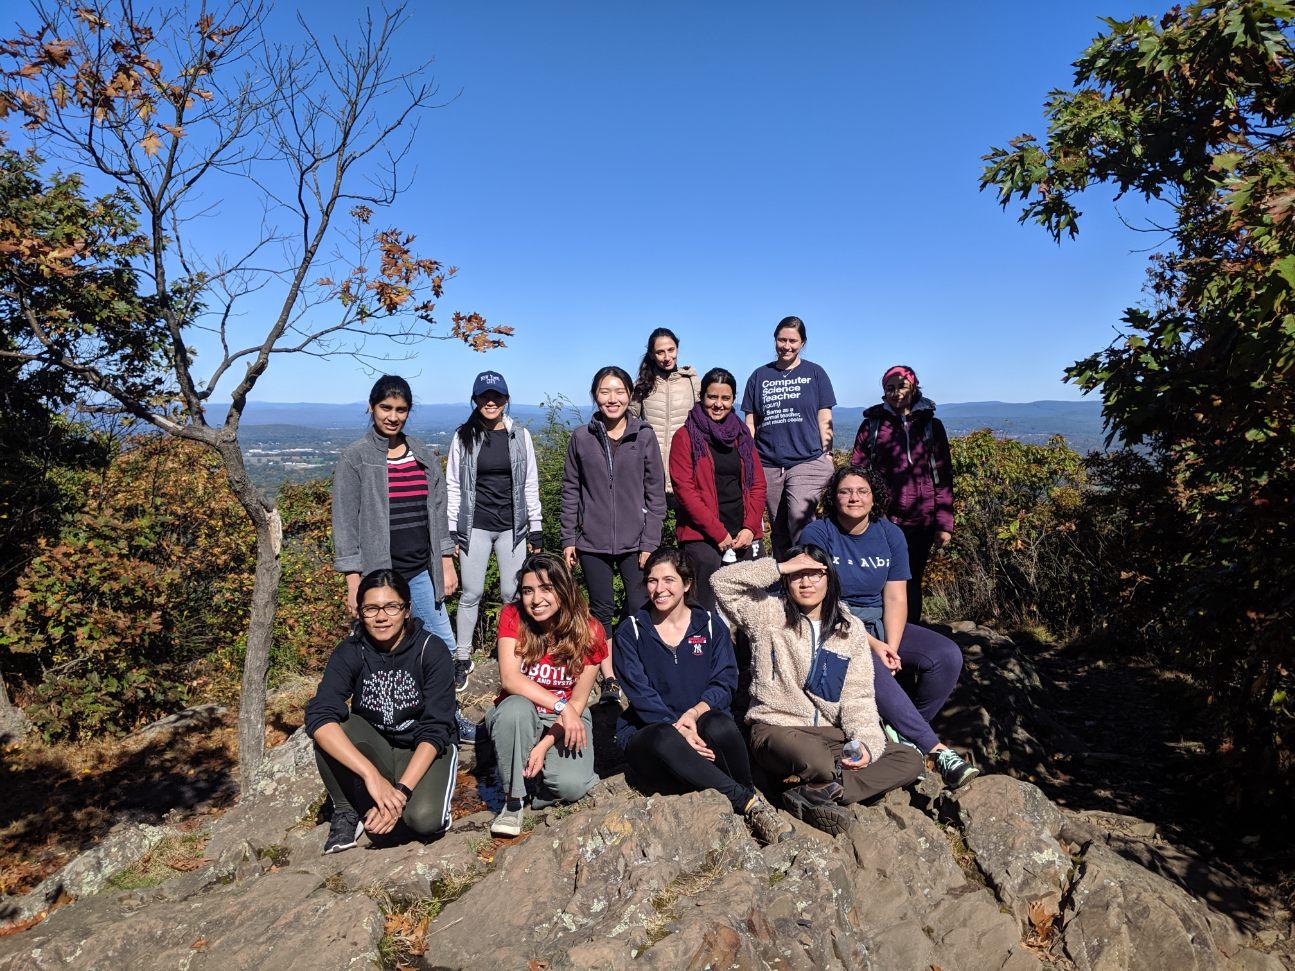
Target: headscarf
x,y
730,432
902,369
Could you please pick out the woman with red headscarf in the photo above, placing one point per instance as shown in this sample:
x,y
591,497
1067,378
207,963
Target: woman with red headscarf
x,y
903,440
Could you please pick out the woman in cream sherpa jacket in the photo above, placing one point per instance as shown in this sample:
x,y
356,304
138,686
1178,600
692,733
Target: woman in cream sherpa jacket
x,y
811,688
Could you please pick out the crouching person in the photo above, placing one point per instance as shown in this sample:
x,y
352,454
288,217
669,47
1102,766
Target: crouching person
x,y
813,713
390,754
549,651
676,666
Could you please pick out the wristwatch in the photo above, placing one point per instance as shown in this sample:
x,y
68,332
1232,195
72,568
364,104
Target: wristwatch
x,y
559,705
401,787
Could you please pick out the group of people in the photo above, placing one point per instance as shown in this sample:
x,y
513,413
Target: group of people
x,y
843,680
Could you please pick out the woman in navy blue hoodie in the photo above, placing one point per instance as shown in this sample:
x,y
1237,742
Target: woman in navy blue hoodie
x,y
676,666
391,751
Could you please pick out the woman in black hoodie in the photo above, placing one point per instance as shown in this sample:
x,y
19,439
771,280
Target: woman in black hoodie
x,y
392,752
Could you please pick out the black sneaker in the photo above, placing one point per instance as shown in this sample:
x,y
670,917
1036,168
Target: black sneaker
x,y
611,693
467,729
803,803
344,832
462,668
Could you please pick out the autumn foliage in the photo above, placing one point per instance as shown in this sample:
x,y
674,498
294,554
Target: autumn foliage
x,y
137,607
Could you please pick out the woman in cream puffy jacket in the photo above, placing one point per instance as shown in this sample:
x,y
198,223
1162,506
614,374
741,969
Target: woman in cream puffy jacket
x,y
664,393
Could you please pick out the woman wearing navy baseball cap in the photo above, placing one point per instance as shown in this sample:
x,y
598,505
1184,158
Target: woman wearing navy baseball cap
x,y
494,505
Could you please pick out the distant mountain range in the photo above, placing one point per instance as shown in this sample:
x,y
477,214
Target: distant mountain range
x,y
1031,421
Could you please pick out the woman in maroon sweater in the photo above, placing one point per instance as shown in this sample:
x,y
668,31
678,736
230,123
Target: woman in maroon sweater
x,y
903,440
718,485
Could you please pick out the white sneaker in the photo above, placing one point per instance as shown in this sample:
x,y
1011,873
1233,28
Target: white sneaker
x,y
508,822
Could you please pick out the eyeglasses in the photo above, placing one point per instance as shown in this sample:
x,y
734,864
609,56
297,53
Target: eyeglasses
x,y
391,609
816,576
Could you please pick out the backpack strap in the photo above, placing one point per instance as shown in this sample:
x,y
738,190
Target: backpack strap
x,y
928,436
874,423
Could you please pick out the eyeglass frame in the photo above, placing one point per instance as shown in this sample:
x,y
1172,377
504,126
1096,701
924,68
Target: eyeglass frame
x,y
371,611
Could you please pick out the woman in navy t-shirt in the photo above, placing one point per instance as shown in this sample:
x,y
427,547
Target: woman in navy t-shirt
x,y
870,556
788,405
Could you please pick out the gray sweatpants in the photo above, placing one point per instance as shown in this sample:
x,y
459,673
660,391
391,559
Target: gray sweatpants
x,y
515,725
791,496
472,579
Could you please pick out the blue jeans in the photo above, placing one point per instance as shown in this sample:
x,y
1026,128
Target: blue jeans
x,y
423,605
932,664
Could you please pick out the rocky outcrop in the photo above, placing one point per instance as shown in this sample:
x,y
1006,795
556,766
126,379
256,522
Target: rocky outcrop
x,y
995,876
88,873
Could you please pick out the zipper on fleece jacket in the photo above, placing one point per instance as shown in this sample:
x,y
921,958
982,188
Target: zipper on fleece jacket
x,y
611,473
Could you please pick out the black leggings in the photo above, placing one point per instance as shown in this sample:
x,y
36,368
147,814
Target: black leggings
x,y
662,761
705,558
920,539
600,570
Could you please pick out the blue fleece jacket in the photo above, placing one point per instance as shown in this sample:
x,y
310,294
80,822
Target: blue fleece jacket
x,y
662,683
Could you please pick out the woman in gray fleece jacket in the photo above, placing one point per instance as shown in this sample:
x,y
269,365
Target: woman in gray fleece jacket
x,y
613,503
812,714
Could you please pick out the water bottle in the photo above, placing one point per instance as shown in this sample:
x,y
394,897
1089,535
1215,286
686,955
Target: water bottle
x,y
730,555
853,750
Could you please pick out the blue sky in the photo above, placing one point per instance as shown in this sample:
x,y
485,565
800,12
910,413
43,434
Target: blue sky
x,y
602,169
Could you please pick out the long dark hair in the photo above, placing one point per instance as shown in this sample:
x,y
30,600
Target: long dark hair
x,y
390,386
674,556
833,619
611,370
377,579
647,367
874,478
568,637
475,428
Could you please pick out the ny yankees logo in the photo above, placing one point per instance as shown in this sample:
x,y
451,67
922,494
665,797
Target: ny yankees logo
x,y
386,691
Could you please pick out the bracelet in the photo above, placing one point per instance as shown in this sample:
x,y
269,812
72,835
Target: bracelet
x,y
401,787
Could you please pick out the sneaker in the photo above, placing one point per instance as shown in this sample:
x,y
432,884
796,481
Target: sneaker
x,y
462,668
805,804
467,729
508,822
344,831
611,693
766,825
954,769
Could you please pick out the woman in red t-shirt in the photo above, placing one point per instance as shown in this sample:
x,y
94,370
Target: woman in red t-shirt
x,y
549,651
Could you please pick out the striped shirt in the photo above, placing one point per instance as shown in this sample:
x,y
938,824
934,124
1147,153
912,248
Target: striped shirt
x,y
411,545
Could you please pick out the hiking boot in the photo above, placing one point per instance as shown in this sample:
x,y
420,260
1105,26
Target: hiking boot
x,y
462,668
954,769
467,729
806,804
611,693
766,825
509,821
344,831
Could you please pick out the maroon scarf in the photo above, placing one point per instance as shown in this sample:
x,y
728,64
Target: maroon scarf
x,y
702,429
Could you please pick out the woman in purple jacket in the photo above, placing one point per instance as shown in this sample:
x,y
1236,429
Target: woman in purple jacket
x,y
613,503
903,440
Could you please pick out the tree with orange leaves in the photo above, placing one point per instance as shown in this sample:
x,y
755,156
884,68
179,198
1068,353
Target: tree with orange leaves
x,y
173,114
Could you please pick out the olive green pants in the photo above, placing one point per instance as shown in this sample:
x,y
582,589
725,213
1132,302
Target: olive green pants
x,y
428,810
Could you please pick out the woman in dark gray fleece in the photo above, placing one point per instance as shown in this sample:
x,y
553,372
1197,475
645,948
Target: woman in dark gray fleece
x,y
613,502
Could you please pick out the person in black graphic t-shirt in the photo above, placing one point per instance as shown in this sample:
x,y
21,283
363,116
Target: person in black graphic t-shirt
x,y
391,753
